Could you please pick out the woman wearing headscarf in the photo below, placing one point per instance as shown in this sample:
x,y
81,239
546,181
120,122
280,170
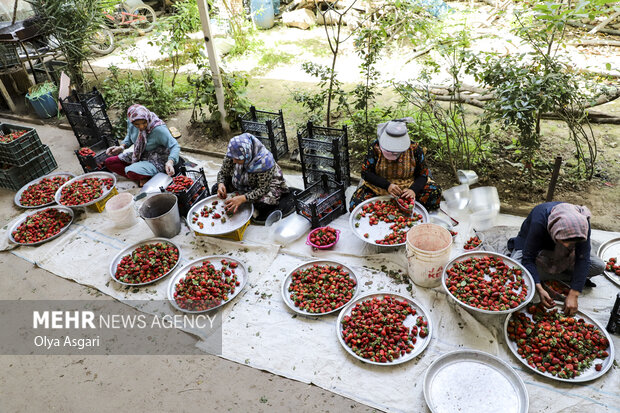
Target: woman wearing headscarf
x,y
155,150
554,243
396,165
250,169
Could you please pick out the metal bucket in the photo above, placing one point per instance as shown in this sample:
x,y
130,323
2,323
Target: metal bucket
x,y
161,214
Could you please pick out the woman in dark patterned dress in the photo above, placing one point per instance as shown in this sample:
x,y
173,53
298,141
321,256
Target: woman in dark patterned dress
x,y
250,169
396,165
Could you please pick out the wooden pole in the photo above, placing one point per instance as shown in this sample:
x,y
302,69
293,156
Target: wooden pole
x,y
215,70
14,12
554,178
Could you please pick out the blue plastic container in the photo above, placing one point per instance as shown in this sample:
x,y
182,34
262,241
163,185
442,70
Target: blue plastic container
x,y
276,7
45,105
262,13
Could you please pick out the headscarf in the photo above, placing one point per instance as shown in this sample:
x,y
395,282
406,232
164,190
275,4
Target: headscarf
x,y
256,158
139,112
566,222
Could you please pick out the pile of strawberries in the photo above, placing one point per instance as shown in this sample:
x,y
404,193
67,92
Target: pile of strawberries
x,y
12,136
86,152
406,204
324,236
321,288
506,289
211,211
147,263
205,287
375,330
179,184
389,212
612,266
85,190
41,226
553,343
43,191
472,243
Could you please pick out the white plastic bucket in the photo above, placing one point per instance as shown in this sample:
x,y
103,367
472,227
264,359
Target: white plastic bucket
x,y
428,251
120,209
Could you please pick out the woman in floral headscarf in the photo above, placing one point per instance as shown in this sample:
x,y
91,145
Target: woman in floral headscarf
x,y
155,150
250,169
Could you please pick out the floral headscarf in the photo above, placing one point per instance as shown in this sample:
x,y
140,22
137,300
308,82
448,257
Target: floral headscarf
x,y
139,112
256,158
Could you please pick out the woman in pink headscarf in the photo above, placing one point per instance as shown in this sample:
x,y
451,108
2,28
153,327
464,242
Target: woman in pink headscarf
x,y
155,150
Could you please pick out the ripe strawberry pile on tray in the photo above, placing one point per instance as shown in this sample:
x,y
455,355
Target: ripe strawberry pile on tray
x,y
205,287
216,212
85,190
388,212
41,226
321,288
612,266
43,191
147,263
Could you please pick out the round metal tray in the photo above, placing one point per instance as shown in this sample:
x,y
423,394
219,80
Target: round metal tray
x,y
473,381
587,375
289,278
381,229
62,230
104,175
19,193
421,343
609,250
479,254
237,221
117,259
242,277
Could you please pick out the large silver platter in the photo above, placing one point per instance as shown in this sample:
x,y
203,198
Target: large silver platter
x,y
242,277
609,250
586,375
18,195
237,221
289,278
529,281
381,229
117,259
62,230
471,381
103,175
421,343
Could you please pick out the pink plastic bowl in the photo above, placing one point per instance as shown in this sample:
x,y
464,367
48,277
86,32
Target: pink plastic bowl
x,y
322,247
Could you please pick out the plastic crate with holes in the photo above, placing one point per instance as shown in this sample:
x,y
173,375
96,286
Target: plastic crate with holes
x,y
19,144
86,113
196,191
321,202
324,151
14,177
269,128
93,162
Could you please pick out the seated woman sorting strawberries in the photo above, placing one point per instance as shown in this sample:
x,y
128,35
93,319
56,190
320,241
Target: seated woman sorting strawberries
x,y
395,165
250,169
155,150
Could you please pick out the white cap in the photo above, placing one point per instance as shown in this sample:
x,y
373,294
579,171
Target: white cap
x,y
393,136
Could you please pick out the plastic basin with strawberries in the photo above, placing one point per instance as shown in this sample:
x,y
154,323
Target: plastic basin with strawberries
x,y
323,238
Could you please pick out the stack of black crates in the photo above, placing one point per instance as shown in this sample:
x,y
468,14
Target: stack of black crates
x,y
86,113
325,167
197,191
269,128
23,159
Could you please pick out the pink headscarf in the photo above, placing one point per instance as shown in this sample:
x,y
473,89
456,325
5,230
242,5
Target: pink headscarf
x,y
139,112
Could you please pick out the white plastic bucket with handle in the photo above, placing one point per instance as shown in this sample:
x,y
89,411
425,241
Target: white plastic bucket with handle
x,y
120,209
428,251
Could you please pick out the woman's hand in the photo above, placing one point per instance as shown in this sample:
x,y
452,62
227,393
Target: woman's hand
x,y
233,204
395,190
170,167
545,298
570,304
221,191
408,193
114,150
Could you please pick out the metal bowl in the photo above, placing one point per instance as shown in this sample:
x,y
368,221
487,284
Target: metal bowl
x,y
457,197
287,282
241,217
19,193
242,277
381,229
103,175
609,250
587,375
529,281
421,343
62,230
117,259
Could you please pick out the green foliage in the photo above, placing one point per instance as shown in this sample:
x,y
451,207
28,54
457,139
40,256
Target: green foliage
x,y
241,30
328,84
362,125
405,22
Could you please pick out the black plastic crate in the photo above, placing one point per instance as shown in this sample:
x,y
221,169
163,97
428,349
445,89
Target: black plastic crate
x,y
8,56
21,150
324,151
269,128
86,113
14,177
321,202
194,193
94,163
